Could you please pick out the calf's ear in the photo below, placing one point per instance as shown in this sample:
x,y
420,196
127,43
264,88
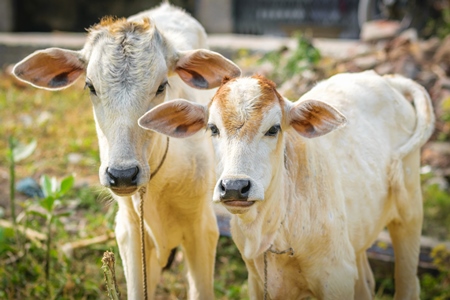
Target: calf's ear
x,y
51,69
177,118
312,118
204,69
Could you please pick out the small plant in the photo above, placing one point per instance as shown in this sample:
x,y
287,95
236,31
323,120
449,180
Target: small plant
x,y
53,193
16,152
288,63
109,270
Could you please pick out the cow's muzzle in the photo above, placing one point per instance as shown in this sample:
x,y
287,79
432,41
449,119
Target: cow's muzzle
x,y
235,192
125,178
234,189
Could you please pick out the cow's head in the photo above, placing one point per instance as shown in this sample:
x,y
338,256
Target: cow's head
x,y
128,66
247,119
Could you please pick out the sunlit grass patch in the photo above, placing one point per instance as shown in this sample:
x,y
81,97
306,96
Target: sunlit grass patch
x,y
61,121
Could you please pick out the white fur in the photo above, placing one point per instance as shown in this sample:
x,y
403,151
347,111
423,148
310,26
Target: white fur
x,y
344,165
336,193
176,204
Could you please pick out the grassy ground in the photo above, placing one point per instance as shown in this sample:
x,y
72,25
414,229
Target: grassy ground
x,y
63,125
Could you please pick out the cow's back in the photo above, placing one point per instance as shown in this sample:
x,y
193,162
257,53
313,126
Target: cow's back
x,y
360,155
178,26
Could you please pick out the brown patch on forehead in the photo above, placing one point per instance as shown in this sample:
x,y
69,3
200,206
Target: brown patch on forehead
x,y
242,117
116,25
268,87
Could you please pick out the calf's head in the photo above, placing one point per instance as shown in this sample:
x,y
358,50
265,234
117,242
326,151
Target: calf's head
x,y
247,119
127,66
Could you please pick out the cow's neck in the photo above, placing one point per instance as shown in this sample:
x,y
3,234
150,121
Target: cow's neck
x,y
159,145
261,226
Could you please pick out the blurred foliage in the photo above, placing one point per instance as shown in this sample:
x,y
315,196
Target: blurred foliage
x,y
231,273
437,287
444,133
288,63
436,212
62,121
439,26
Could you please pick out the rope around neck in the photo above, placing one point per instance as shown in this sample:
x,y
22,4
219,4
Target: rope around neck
x,y
291,253
141,225
141,222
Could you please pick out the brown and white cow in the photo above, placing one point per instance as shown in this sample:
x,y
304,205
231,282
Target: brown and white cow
x,y
323,176
132,65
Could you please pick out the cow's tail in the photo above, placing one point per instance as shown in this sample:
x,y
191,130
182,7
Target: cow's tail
x,y
424,128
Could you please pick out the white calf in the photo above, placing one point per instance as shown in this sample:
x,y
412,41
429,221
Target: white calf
x,y
323,176
131,66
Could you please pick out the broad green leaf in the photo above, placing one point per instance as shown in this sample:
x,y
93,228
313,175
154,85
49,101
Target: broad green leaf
x,y
21,151
47,203
66,185
46,185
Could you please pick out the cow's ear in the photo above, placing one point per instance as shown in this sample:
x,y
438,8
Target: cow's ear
x,y
312,118
204,69
177,118
51,69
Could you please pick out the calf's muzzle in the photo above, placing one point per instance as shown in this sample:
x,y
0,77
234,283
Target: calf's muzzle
x,y
122,178
234,189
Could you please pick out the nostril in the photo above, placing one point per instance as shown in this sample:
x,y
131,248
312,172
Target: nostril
x,y
245,190
222,187
111,178
135,175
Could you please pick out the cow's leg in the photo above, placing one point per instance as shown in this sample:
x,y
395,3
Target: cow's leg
x,y
129,242
153,270
365,285
405,232
406,243
199,244
255,288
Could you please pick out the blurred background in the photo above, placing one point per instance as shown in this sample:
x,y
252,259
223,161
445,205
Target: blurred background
x,y
277,17
325,18
49,139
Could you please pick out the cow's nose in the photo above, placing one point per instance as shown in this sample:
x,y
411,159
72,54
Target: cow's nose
x,y
234,189
118,178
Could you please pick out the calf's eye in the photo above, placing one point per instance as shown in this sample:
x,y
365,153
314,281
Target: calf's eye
x,y
214,129
161,88
273,131
91,88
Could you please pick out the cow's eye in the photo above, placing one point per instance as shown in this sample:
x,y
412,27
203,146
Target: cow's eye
x,y
90,86
273,131
214,129
161,88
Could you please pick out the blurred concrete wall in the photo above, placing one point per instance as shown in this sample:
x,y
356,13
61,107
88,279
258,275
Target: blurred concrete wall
x,y
6,15
70,15
215,15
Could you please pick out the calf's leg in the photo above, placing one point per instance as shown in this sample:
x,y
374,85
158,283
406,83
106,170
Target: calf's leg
x,y
365,285
129,242
405,231
199,244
